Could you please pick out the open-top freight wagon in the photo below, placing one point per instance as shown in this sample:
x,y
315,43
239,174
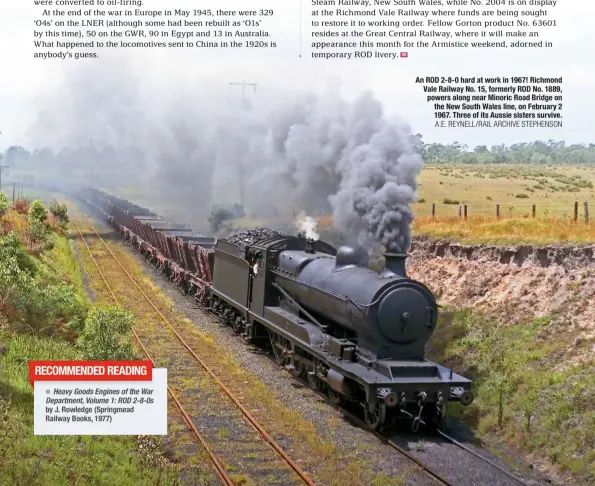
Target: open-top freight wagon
x,y
185,257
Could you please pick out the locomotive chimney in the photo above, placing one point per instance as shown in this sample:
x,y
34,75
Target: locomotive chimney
x,y
395,265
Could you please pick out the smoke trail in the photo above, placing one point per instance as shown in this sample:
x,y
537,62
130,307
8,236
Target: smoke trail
x,y
378,184
195,148
350,158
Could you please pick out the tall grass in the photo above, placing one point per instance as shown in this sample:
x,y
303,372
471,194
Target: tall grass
x,y
480,229
529,393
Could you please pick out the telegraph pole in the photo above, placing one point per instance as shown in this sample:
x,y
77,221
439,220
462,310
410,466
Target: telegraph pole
x,y
243,84
241,172
2,167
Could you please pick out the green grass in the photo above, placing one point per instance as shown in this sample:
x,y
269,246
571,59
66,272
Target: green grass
x,y
61,259
54,460
26,459
528,393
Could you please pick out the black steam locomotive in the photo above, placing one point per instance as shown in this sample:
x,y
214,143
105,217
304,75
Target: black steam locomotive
x,y
354,333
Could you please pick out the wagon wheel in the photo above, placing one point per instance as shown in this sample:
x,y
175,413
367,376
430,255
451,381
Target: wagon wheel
x,y
376,418
278,355
333,396
237,324
312,380
298,369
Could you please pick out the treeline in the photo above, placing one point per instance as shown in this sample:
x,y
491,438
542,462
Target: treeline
x,y
92,161
538,152
101,165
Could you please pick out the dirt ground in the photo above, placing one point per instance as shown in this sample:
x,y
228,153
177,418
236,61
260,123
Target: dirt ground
x,y
513,284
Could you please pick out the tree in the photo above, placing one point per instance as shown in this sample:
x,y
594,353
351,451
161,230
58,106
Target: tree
x,y
3,204
37,213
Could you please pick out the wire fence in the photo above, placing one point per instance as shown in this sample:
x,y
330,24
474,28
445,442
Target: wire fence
x,y
578,211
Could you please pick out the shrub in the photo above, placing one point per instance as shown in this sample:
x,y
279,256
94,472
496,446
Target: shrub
x,y
522,196
19,301
40,237
451,201
106,335
37,212
69,307
3,204
422,200
60,213
22,206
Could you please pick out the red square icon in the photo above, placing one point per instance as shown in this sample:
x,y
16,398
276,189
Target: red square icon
x,y
404,54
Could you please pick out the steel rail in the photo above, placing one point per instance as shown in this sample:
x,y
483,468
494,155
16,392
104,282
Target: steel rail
x,y
251,420
427,469
397,447
220,470
492,463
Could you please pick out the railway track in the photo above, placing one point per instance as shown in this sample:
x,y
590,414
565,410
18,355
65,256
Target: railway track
x,y
508,477
249,451
437,477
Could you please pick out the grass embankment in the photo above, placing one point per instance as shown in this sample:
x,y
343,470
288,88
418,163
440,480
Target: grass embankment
x,y
44,309
528,394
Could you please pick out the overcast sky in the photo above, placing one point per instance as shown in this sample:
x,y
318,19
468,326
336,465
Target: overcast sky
x,y
29,86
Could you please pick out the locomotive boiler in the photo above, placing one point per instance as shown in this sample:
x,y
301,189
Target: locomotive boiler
x,y
390,316
358,334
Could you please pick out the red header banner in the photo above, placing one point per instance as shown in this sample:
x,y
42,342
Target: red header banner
x,y
90,371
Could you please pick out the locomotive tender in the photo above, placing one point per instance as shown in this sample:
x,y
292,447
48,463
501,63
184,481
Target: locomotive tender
x,y
351,332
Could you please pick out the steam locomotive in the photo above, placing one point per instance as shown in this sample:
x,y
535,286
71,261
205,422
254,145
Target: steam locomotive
x,y
353,333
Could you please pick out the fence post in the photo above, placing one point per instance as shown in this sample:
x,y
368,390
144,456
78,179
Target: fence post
x,y
460,208
575,211
498,211
465,209
14,186
586,212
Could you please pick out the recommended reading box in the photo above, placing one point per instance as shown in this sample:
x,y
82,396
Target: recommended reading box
x,y
99,398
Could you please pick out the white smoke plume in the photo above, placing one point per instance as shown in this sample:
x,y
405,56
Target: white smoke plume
x,y
307,225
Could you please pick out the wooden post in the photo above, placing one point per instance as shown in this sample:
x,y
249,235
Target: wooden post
x,y
575,211
460,207
14,187
498,211
433,210
465,212
533,211
586,212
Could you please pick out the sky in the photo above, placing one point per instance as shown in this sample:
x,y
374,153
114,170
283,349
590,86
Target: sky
x,y
34,93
